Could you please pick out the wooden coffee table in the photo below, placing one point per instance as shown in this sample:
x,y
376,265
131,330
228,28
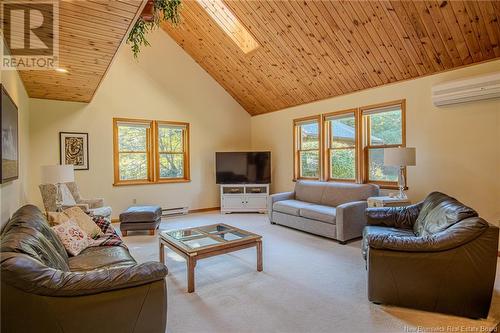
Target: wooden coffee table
x,y
208,241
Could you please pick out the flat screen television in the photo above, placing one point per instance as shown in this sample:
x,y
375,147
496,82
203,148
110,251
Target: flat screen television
x,y
243,167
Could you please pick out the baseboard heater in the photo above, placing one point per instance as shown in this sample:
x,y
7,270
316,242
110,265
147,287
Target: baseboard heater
x,y
174,211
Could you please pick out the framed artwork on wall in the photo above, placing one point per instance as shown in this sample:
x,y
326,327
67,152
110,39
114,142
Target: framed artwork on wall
x,y
9,152
74,149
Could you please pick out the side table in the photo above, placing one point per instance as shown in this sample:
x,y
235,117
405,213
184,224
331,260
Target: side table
x,y
388,201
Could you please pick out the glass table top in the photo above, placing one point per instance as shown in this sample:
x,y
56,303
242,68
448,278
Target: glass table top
x,y
205,236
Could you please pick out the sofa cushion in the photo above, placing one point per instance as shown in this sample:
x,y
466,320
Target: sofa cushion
x,y
66,196
291,207
379,230
84,221
101,257
338,193
439,212
309,191
74,239
56,218
333,193
318,212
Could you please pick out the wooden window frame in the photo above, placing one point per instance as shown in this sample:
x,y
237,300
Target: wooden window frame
x,y
152,153
327,130
365,124
185,152
116,152
297,145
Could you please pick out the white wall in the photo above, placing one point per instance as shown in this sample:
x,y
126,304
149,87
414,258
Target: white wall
x,y
458,147
165,84
14,194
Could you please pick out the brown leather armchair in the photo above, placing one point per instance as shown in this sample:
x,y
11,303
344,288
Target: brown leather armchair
x,y
437,255
101,290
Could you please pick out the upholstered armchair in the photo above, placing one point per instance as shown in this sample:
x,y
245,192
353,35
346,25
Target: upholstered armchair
x,y
70,195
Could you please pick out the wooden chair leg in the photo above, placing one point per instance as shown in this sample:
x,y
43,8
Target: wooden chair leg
x,y
124,233
152,232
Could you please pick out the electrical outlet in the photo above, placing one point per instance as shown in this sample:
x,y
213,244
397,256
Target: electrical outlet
x,y
134,201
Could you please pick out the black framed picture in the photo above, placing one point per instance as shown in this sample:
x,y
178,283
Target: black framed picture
x,y
9,140
74,149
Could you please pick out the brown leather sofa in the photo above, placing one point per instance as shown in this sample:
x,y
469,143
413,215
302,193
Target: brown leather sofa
x,y
437,255
101,290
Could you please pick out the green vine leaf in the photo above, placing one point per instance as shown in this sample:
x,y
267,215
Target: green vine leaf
x,y
163,10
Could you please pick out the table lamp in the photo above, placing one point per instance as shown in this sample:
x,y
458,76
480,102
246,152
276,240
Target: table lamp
x,y
402,157
58,174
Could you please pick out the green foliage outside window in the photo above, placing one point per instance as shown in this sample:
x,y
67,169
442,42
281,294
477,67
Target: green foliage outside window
x,y
309,154
343,152
385,128
133,161
343,164
170,142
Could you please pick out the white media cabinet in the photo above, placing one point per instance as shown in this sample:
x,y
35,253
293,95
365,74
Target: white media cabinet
x,y
244,198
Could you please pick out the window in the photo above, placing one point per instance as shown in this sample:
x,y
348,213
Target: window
x,y
148,151
349,145
307,138
172,153
383,128
132,151
341,136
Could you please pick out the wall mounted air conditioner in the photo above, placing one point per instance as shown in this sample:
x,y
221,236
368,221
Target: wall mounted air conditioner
x,y
467,90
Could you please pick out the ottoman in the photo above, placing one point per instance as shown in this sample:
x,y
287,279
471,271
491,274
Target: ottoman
x,y
140,218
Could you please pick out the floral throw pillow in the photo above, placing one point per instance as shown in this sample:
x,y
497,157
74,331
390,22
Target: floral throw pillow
x,y
74,239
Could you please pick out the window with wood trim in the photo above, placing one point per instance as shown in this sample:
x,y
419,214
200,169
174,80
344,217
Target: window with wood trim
x,y
307,148
132,145
349,145
172,154
150,151
341,143
383,127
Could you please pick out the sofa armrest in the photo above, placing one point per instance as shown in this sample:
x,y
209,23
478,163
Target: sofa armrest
x,y
397,217
92,203
29,275
281,196
275,198
457,235
350,220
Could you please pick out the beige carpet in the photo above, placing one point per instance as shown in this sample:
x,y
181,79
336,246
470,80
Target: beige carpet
x,y
309,284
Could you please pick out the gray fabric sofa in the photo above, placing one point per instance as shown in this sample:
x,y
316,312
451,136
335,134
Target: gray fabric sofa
x,y
331,209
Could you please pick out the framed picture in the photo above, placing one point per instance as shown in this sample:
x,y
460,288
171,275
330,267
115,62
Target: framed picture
x,y
74,149
9,139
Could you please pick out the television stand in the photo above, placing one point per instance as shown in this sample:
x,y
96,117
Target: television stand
x,y
241,198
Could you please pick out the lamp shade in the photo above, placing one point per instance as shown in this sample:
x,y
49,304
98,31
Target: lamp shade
x,y
400,156
57,174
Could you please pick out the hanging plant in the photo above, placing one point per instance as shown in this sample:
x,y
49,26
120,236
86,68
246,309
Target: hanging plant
x,y
153,14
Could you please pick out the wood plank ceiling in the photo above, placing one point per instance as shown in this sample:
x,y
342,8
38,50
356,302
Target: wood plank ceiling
x,y
312,50
90,33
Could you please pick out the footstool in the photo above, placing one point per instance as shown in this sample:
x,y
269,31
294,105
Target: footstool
x,y
140,218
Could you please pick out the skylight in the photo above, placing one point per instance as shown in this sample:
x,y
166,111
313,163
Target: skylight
x,y
223,16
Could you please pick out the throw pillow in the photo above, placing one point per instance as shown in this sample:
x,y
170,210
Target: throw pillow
x,y
84,221
74,239
66,196
56,218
